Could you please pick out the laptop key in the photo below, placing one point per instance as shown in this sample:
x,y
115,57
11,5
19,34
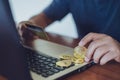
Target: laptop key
x,y
39,72
55,70
54,61
43,58
47,67
46,63
51,64
44,71
44,75
59,68
34,69
41,61
41,65
50,73
49,60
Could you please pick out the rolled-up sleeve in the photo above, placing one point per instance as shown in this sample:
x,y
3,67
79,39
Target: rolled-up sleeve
x,y
57,9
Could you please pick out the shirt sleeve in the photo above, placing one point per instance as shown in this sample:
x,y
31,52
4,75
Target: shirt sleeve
x,y
57,9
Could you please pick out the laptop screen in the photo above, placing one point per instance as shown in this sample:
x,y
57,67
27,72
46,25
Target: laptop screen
x,y
12,55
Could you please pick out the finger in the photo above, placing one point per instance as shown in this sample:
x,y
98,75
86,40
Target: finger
x,y
99,52
93,46
22,24
90,37
117,58
107,57
21,28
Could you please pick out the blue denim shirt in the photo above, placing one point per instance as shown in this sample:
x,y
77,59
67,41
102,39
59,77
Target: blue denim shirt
x,y
101,16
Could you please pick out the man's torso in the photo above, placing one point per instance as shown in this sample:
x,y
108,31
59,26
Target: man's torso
x,y
101,16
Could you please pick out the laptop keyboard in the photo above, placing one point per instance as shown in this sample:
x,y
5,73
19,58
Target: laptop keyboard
x,y
43,65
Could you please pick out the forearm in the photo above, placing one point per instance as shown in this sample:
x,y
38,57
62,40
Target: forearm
x,y
41,20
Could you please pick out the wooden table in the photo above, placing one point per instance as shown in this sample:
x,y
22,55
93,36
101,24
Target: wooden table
x,y
109,71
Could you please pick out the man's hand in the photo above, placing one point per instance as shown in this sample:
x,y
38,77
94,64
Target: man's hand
x,y
101,48
27,36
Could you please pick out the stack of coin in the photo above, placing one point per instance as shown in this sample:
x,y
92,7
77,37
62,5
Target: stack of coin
x,y
77,58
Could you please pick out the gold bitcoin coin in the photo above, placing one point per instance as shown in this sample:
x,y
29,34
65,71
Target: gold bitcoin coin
x,y
65,56
79,52
64,63
79,61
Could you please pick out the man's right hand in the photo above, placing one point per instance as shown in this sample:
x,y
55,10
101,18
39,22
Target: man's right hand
x,y
27,36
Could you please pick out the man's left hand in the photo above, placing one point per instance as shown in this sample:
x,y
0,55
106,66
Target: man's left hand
x,y
102,48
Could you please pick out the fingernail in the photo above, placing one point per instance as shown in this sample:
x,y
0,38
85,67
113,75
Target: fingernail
x,y
95,61
81,43
86,59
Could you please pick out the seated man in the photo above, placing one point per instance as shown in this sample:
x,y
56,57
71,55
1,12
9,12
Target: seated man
x,y
97,23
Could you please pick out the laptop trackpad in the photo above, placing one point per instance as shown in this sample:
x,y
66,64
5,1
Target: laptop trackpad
x,y
50,48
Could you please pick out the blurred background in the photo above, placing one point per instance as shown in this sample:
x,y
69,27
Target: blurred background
x,y
24,9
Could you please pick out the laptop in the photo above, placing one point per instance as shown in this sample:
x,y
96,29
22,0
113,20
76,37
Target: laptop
x,y
13,62
19,63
